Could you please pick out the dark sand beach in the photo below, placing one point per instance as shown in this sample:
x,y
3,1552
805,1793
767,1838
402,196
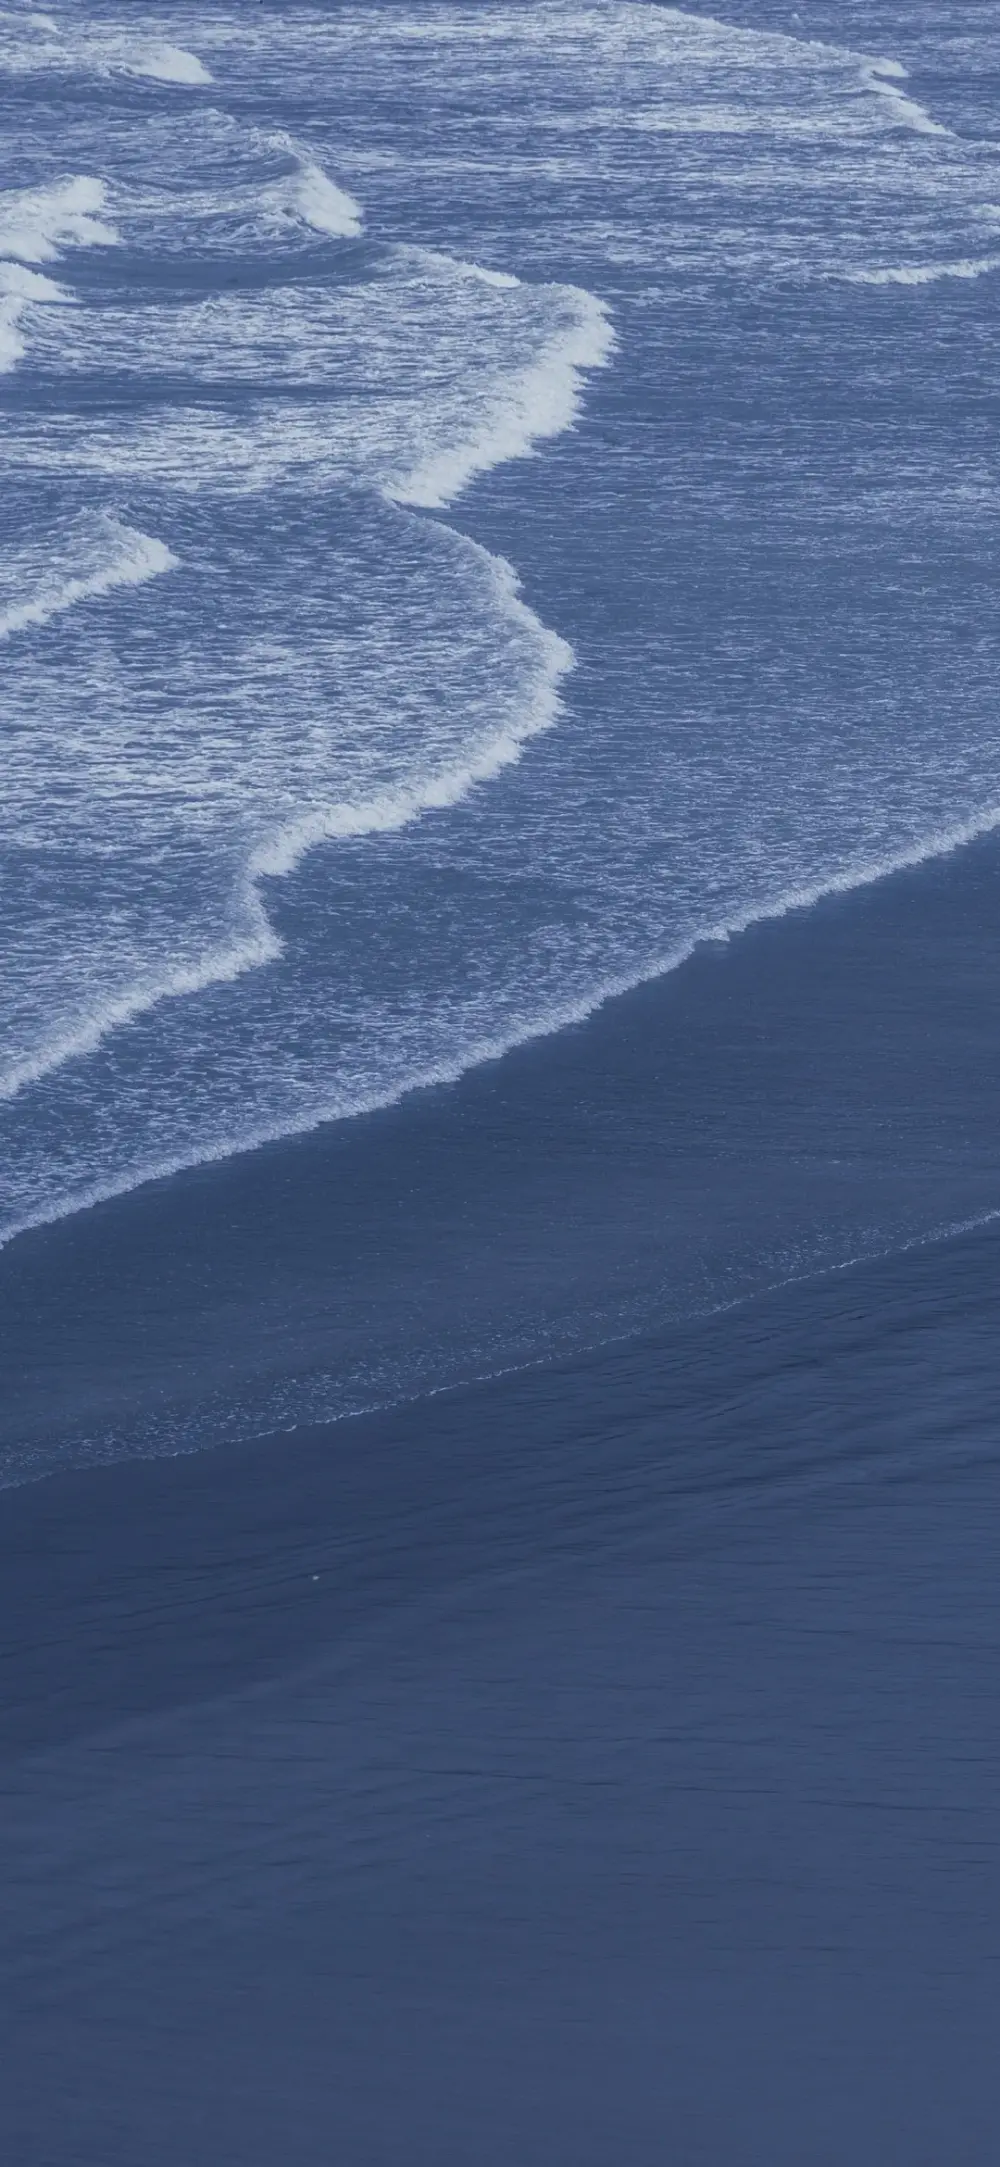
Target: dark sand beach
x,y
598,1761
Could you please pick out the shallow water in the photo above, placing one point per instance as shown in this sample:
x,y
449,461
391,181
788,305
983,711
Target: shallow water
x,y
307,804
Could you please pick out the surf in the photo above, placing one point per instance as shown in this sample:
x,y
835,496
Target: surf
x,y
99,555
407,363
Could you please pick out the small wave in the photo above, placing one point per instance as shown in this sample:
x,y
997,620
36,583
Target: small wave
x,y
391,810
541,401
18,288
485,275
924,274
884,78
162,63
22,284
259,944
314,196
559,1016
325,206
36,224
443,782
61,48
126,558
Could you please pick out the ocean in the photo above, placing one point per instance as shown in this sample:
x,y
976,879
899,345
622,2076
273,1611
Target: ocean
x,y
498,1082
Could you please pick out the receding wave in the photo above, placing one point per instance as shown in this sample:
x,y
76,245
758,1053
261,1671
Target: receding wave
x,y
258,945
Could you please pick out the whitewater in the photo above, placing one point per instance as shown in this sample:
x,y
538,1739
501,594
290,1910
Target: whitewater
x,y
315,796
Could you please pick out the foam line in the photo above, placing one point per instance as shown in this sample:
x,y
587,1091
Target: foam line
x,y
558,1018
135,557
387,812
259,944
256,943
924,274
884,78
540,402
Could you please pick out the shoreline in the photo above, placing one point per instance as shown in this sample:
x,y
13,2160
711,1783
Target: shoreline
x,y
197,1573
817,1090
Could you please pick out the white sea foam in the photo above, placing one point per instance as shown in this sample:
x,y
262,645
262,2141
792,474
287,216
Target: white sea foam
x,y
884,78
19,287
436,791
429,777
314,196
113,555
37,224
257,742
923,274
162,62
536,403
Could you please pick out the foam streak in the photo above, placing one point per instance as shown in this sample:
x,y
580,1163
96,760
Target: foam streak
x,y
132,557
538,404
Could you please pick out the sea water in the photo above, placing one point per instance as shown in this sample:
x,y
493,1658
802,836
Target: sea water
x,y
329,775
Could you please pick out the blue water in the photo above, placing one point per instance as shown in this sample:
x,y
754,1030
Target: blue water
x,y
248,683
498,941
494,499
